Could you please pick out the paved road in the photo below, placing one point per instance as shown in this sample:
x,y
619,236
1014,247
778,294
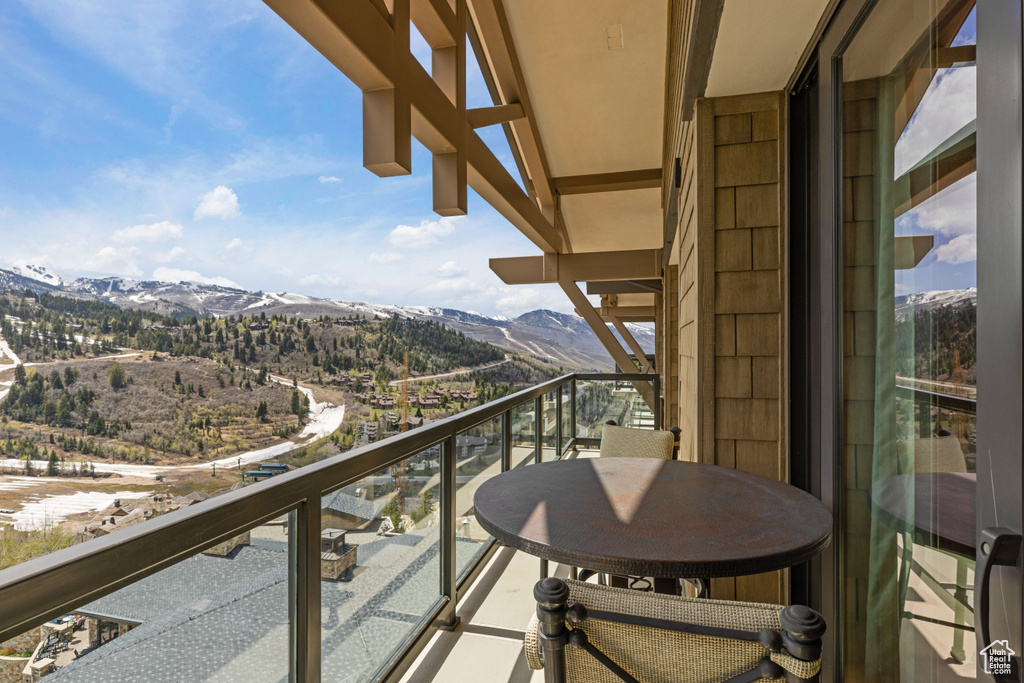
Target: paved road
x,y
396,382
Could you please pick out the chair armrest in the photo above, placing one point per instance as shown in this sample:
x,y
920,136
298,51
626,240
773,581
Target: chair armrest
x,y
531,646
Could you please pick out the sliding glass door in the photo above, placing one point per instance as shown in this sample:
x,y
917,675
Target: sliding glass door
x,y
916,234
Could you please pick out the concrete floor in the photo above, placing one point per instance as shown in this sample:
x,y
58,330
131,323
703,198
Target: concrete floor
x,y
488,643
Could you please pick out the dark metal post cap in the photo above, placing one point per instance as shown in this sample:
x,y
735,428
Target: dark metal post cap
x,y
551,592
802,623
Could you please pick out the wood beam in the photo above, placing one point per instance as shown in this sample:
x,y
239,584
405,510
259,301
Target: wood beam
x,y
910,250
629,313
625,287
387,113
641,264
492,26
700,48
354,37
448,68
952,160
436,22
608,182
607,339
926,57
632,343
492,116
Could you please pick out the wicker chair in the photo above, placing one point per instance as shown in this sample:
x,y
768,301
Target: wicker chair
x,y
597,634
627,442
939,453
623,442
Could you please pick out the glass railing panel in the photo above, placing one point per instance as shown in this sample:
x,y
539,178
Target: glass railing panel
x,y
565,396
524,435
477,459
380,565
617,400
220,615
549,426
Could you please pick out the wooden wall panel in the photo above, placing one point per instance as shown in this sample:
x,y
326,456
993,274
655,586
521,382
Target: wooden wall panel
x,y
745,390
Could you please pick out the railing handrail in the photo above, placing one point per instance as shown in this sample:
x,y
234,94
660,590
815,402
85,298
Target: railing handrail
x,y
960,404
38,590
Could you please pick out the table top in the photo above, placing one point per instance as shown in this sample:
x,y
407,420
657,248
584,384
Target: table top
x,y
943,514
661,518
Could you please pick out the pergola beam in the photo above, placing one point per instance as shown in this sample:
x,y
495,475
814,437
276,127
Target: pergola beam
x,y
607,339
910,250
491,24
625,287
608,182
632,343
630,314
641,264
492,116
359,41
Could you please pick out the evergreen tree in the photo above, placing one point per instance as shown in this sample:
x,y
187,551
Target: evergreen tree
x,y
117,377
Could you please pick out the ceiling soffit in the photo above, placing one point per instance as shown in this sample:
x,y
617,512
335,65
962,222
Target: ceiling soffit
x,y
759,44
612,221
595,73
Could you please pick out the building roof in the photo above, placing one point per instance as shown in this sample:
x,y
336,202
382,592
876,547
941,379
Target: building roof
x,y
216,631
348,504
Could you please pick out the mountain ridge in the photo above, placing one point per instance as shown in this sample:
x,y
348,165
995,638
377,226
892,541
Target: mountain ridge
x,y
556,337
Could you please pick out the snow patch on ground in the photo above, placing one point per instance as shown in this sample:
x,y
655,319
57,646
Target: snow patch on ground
x,y
55,509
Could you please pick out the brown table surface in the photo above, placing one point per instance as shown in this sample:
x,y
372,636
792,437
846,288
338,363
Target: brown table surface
x,y
942,514
661,518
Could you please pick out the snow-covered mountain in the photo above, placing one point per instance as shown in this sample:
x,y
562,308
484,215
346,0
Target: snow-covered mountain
x,y
557,337
922,301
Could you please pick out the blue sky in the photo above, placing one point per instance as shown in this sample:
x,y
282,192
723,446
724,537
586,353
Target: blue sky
x,y
188,140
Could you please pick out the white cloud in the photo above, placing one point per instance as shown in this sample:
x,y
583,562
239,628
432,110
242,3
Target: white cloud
x,y
386,257
172,255
238,244
451,269
949,104
115,261
329,179
164,231
178,275
518,300
315,279
960,249
954,211
426,234
220,202
7,212
454,285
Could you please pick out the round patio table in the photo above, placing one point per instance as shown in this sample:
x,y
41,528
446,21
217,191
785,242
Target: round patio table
x,y
659,518
938,508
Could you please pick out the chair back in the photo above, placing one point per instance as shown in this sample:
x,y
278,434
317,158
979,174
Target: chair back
x,y
624,442
655,637
932,454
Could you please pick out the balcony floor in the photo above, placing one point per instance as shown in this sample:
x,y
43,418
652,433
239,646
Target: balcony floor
x,y
488,644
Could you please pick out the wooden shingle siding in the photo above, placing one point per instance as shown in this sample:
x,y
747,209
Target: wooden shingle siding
x,y
743,180
729,382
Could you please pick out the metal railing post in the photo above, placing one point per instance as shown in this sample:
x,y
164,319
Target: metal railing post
x,y
657,402
572,409
506,441
304,591
558,422
538,425
448,619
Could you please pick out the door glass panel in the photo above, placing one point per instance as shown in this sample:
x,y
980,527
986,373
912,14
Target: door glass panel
x,y
909,227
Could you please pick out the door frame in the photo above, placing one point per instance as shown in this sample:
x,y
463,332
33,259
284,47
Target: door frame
x,y
1000,286
1000,349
